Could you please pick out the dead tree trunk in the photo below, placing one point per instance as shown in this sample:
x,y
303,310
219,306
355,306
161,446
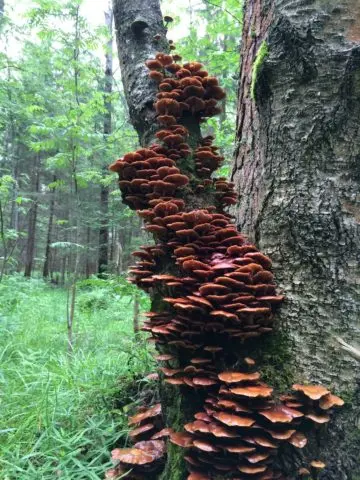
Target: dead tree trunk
x,y
104,193
298,178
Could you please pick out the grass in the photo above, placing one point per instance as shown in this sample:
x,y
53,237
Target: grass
x,y
61,416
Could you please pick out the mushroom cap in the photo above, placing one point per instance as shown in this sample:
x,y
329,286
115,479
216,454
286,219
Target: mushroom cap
x,y
205,446
165,432
197,476
142,429
181,439
232,420
318,418
329,401
157,448
314,392
281,414
298,440
149,413
253,391
318,464
236,377
132,456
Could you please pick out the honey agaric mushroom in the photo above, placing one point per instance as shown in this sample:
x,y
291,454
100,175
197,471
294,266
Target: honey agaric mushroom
x,y
314,392
318,418
329,401
132,456
181,439
148,413
197,476
137,432
318,464
253,391
217,293
281,414
298,440
205,446
237,377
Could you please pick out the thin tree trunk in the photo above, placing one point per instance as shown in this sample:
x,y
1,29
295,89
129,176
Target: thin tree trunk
x,y
104,193
46,269
298,178
30,245
88,255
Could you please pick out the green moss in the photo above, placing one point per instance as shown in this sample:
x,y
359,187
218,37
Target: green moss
x,y
276,362
262,53
176,416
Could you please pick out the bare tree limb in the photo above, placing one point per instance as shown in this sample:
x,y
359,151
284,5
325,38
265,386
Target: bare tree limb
x,y
354,352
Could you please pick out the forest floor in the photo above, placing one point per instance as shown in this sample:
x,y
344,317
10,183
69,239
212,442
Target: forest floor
x,y
61,415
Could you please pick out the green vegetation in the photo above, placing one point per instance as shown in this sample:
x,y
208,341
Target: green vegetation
x,y
60,416
262,53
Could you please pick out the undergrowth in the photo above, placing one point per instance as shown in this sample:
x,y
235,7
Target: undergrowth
x,y
59,415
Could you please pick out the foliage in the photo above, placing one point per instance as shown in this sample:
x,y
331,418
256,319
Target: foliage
x,y
61,418
100,293
214,32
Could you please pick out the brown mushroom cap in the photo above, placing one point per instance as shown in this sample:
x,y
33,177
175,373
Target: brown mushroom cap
x,y
318,464
298,440
232,420
281,414
329,401
149,413
157,448
253,391
132,456
205,446
318,418
197,476
315,392
181,439
236,377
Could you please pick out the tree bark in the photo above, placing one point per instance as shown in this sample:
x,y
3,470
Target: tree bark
x,y
136,24
30,244
46,268
103,261
298,178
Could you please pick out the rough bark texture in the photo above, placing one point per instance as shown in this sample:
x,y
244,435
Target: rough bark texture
x,y
298,177
136,24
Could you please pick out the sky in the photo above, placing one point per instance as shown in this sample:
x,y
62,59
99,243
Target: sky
x,y
93,10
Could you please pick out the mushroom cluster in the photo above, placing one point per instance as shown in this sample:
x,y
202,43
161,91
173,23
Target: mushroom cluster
x,y
217,292
147,455
242,426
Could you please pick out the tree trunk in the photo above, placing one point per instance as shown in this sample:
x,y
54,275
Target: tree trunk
x,y
298,178
46,269
136,23
103,261
30,245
